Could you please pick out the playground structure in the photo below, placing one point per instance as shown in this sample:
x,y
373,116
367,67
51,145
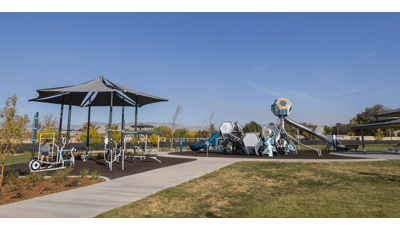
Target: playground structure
x,y
98,92
273,139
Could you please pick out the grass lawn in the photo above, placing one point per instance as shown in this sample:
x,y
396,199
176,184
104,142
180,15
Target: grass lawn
x,y
17,158
279,189
368,147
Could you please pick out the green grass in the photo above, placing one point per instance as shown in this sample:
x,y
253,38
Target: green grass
x,y
279,189
368,147
17,158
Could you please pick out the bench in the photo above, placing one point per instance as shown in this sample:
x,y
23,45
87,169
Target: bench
x,y
395,149
327,148
355,147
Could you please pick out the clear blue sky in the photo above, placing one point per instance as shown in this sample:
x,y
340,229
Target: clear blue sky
x,y
329,65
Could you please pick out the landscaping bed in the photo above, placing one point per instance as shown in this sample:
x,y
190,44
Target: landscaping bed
x,y
98,164
302,154
17,189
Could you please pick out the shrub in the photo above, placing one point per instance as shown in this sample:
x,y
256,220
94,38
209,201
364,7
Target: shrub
x,y
35,178
12,179
95,176
84,173
28,184
73,183
61,175
379,135
12,188
153,139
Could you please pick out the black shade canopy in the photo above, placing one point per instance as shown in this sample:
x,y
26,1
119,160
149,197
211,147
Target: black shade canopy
x,y
76,99
392,113
103,88
390,123
104,99
143,125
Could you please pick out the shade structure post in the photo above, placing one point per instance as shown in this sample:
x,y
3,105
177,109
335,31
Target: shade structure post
x,y
145,144
88,132
110,127
61,118
34,132
362,137
135,133
123,133
158,143
69,125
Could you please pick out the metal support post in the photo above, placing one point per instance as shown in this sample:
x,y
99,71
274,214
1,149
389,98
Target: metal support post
x,y
68,126
123,133
362,137
88,132
110,128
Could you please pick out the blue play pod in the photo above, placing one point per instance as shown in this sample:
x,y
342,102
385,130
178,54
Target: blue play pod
x,y
271,141
291,147
273,148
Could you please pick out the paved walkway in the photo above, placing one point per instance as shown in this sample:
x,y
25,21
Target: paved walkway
x,y
92,200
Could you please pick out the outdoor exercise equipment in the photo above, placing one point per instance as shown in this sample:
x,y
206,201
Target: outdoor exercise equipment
x,y
112,152
55,162
98,92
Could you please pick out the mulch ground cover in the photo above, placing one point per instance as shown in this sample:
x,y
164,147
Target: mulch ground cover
x,y
99,165
45,187
302,154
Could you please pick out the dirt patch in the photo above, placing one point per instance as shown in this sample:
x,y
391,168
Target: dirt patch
x,y
99,165
45,187
302,154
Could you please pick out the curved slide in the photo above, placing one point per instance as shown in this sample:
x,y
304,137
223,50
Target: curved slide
x,y
312,132
203,145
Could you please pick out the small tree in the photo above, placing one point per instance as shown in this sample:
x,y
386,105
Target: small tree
x,y
115,135
137,140
190,134
153,139
93,134
92,126
46,133
253,127
181,132
164,130
48,121
178,112
209,124
13,130
379,135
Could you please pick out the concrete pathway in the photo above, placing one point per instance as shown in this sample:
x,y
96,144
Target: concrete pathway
x,y
92,200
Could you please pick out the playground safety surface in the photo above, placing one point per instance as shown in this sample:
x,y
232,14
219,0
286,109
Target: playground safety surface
x,y
302,154
99,165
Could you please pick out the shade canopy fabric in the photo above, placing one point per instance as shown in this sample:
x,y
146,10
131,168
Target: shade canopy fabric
x,y
143,132
103,87
390,123
143,125
76,99
392,113
104,99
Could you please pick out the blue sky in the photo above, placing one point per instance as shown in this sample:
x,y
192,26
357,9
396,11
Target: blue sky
x,y
329,65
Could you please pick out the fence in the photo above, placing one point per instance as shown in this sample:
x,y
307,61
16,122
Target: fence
x,y
27,147
100,146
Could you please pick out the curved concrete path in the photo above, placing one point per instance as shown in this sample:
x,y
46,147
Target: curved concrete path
x,y
92,200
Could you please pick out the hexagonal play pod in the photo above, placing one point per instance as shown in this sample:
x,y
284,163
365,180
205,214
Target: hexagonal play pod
x,y
281,107
250,140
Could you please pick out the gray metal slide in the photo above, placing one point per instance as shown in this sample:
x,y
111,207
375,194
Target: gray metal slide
x,y
312,132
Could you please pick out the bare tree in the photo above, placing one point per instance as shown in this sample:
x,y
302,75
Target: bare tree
x,y
208,122
178,112
48,121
